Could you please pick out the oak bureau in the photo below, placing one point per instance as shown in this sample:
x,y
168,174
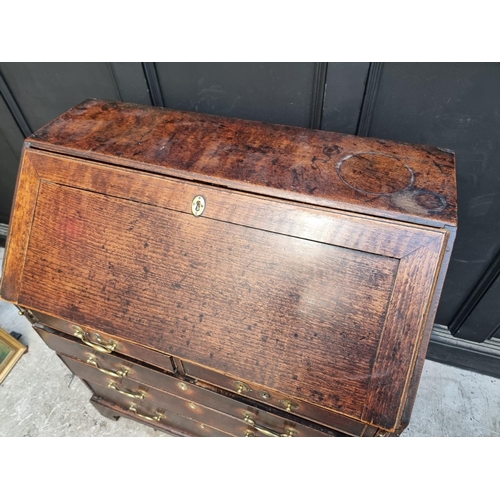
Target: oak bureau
x,y
214,276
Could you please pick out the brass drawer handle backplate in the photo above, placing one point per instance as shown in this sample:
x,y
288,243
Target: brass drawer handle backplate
x,y
240,386
156,418
100,346
289,405
135,395
92,360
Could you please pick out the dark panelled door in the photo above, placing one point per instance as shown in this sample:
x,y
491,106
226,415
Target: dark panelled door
x,y
455,106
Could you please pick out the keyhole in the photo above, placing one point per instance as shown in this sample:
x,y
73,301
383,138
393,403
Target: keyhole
x,y
198,206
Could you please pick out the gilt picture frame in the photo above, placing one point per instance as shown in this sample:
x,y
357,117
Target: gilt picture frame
x,y
11,351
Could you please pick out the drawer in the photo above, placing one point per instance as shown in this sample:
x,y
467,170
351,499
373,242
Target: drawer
x,y
101,342
109,364
280,401
115,367
156,405
189,400
169,422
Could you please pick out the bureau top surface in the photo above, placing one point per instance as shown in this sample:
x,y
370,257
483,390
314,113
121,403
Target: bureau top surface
x,y
372,176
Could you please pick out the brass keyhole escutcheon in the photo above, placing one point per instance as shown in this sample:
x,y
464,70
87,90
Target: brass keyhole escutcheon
x,y
264,395
198,205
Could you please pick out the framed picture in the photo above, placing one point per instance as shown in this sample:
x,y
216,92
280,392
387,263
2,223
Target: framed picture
x,y
10,352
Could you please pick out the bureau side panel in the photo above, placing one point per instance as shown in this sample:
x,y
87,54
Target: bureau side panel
x,y
28,183
417,373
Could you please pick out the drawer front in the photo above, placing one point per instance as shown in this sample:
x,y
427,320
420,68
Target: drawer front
x,y
115,367
169,422
279,401
104,342
109,364
190,401
154,406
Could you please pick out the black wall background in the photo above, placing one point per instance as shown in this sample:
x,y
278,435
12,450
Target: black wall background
x,y
450,105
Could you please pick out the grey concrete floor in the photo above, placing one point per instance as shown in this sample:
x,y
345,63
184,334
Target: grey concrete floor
x,y
40,397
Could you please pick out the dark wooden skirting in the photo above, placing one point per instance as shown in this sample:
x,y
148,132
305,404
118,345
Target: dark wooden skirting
x,y
318,97
476,295
369,99
14,108
153,84
481,357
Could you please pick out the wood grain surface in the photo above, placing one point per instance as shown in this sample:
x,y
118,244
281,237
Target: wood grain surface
x,y
27,187
235,296
361,233
126,351
394,180
171,422
289,312
168,387
305,409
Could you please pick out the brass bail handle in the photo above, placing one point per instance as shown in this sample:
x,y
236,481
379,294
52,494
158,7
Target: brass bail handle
x,y
92,360
156,418
249,419
135,395
101,346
